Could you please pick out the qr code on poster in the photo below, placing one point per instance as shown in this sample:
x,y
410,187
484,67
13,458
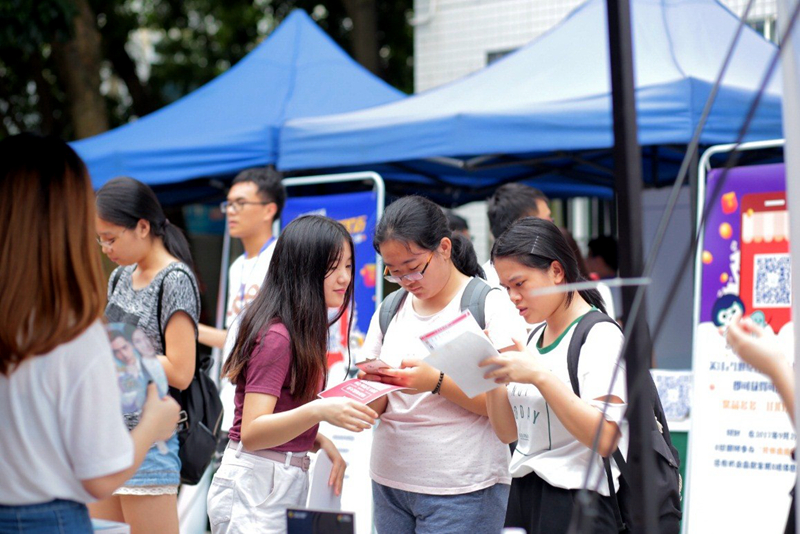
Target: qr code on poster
x,y
772,285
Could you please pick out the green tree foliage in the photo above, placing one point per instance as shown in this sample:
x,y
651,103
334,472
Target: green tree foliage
x,y
191,42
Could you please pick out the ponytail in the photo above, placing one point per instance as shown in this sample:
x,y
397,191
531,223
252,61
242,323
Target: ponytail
x,y
464,257
537,243
124,201
176,243
593,298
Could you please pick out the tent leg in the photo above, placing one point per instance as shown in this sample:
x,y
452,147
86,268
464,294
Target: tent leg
x,y
628,182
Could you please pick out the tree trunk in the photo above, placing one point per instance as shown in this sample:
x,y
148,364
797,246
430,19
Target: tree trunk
x,y
114,42
364,15
125,68
45,101
78,62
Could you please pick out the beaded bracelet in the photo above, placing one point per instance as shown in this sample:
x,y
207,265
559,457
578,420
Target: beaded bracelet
x,y
437,389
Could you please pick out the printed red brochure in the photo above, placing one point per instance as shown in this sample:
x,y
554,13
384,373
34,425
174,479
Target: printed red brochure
x,y
364,391
374,366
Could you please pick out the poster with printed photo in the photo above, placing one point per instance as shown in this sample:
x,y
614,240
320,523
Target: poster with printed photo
x,y
741,437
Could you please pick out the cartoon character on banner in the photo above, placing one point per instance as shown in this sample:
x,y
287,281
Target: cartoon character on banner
x,y
759,282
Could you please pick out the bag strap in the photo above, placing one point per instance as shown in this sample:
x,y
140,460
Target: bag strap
x,y
115,278
573,358
474,299
578,339
389,308
159,307
534,332
621,526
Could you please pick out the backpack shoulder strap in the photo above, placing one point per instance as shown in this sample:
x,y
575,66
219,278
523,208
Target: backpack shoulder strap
x,y
159,303
534,332
115,276
389,308
474,299
578,339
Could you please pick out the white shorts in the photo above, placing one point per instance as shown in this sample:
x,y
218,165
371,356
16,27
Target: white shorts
x,y
251,494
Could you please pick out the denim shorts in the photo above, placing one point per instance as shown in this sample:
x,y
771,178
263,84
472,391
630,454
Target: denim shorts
x,y
406,512
159,469
59,516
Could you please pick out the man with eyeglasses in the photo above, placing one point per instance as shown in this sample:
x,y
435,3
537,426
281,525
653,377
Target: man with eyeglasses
x,y
254,202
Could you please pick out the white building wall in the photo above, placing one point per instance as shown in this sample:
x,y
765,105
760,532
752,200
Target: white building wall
x,y
453,38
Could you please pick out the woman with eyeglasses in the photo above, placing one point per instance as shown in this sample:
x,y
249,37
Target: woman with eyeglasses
x,y
63,441
154,289
436,464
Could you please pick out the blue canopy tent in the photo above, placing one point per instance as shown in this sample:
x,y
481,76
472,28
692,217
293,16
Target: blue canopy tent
x,y
232,122
544,112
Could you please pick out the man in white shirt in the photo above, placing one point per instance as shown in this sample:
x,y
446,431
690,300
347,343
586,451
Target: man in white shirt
x,y
508,204
254,202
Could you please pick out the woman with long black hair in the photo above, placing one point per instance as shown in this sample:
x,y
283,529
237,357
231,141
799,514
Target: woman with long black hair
x,y
279,367
155,289
536,406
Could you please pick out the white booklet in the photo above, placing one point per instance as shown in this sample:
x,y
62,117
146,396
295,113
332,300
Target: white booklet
x,y
320,494
457,348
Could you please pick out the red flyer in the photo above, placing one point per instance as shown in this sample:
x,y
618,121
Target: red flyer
x,y
364,391
373,367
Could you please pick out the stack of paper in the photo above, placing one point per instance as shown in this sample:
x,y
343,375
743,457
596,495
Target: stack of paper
x,y
457,348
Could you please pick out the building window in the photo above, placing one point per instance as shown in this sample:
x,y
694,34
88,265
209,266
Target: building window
x,y
766,27
491,57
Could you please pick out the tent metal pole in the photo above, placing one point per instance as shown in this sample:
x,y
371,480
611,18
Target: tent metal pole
x,y
628,181
222,303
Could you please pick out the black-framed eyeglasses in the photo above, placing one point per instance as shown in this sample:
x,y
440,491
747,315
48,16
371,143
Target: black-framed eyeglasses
x,y
111,241
237,205
410,277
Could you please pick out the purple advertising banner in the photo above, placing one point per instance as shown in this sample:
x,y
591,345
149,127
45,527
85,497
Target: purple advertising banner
x,y
726,249
741,437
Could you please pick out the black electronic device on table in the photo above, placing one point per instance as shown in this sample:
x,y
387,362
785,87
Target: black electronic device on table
x,y
300,521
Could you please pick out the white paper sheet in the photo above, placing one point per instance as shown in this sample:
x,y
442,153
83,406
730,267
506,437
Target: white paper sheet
x,y
459,359
320,495
448,332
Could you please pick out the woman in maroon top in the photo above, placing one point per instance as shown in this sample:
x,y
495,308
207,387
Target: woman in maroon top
x,y
279,367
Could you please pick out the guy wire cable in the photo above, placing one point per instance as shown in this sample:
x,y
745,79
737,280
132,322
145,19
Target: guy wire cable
x,y
673,199
733,158
731,162
675,193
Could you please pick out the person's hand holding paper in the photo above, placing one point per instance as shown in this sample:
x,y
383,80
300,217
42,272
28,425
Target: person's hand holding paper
x,y
518,365
416,375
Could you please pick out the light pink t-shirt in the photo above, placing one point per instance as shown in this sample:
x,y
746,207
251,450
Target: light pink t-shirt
x,y
424,443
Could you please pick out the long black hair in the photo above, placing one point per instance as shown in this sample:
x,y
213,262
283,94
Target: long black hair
x,y
537,243
124,201
414,219
307,250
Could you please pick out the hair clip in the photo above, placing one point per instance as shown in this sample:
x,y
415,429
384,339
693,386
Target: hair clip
x,y
535,241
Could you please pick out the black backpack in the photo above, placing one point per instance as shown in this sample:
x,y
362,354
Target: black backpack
x,y
201,407
667,478
473,299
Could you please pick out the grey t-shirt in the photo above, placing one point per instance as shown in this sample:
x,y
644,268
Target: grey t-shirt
x,y
139,306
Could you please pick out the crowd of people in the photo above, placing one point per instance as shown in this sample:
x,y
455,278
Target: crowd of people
x,y
440,460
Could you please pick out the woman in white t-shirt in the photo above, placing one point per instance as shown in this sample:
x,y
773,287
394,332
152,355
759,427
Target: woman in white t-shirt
x,y
64,443
553,427
436,465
